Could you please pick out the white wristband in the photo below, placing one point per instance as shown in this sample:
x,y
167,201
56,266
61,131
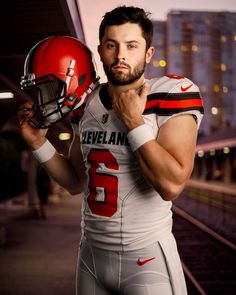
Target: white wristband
x,y
139,135
45,152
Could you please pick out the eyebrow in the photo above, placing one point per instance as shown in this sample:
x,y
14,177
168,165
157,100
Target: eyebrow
x,y
112,40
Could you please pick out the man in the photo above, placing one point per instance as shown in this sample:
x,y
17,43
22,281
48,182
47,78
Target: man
x,y
132,153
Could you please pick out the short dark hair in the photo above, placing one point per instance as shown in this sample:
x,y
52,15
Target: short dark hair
x,y
128,14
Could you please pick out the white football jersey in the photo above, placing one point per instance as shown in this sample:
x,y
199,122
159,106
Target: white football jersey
x,y
121,211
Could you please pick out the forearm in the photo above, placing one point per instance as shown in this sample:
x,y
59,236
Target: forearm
x,y
162,170
69,172
167,162
62,171
61,168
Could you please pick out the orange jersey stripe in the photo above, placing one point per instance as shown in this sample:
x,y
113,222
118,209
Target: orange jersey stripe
x,y
176,104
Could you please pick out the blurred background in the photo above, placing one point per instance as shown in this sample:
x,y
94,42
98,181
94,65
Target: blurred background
x,y
196,39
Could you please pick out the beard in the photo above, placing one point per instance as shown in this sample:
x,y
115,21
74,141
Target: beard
x,y
119,79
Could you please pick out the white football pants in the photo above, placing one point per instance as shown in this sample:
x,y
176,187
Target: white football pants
x,y
154,270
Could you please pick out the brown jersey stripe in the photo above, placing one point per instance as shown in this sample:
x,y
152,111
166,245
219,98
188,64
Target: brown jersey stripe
x,y
171,111
173,96
169,103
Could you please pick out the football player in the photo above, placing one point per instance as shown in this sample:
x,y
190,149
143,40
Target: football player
x,y
132,154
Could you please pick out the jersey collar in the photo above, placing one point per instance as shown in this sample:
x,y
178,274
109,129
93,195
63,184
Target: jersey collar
x,y
105,97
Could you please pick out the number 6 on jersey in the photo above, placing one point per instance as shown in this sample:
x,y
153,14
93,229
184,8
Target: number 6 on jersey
x,y
103,186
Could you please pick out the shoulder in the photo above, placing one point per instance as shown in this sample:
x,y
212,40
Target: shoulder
x,y
171,94
171,83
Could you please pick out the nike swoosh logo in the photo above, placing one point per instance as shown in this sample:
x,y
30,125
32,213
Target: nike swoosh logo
x,y
186,88
141,262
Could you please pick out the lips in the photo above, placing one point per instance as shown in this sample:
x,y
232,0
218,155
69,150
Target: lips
x,y
120,67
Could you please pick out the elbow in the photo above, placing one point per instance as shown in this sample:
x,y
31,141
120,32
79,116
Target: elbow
x,y
173,188
170,188
169,194
170,191
79,185
74,192
76,189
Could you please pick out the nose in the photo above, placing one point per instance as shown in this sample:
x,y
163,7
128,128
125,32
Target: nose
x,y
121,52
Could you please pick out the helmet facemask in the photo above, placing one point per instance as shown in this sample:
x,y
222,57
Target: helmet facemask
x,y
59,73
50,101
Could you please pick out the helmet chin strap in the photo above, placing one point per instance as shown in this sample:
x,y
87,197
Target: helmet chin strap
x,y
69,75
91,87
70,72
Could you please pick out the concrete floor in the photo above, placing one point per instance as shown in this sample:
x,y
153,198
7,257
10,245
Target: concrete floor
x,y
39,256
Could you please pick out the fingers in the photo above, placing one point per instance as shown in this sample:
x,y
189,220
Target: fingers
x,y
25,113
144,91
26,106
131,99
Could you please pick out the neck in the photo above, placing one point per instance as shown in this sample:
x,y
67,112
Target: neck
x,y
114,90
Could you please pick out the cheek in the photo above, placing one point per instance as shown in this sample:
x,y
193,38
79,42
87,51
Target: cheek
x,y
106,58
137,59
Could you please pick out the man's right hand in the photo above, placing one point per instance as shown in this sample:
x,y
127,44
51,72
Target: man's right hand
x,y
34,137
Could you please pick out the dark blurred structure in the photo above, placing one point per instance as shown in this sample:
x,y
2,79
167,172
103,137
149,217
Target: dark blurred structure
x,y
22,25
216,157
12,178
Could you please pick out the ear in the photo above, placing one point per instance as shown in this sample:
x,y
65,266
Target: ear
x,y
149,54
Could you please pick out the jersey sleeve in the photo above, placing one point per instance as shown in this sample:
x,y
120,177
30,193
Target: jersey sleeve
x,y
173,96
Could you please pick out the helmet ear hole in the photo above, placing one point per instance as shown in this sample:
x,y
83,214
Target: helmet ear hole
x,y
82,79
71,100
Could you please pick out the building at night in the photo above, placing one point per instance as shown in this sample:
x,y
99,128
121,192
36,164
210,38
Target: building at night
x,y
201,46
158,65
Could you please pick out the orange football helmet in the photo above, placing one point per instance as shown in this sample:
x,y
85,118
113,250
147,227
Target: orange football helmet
x,y
60,73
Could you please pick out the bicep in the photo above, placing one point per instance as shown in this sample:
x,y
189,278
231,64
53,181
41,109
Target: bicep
x,y
178,137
